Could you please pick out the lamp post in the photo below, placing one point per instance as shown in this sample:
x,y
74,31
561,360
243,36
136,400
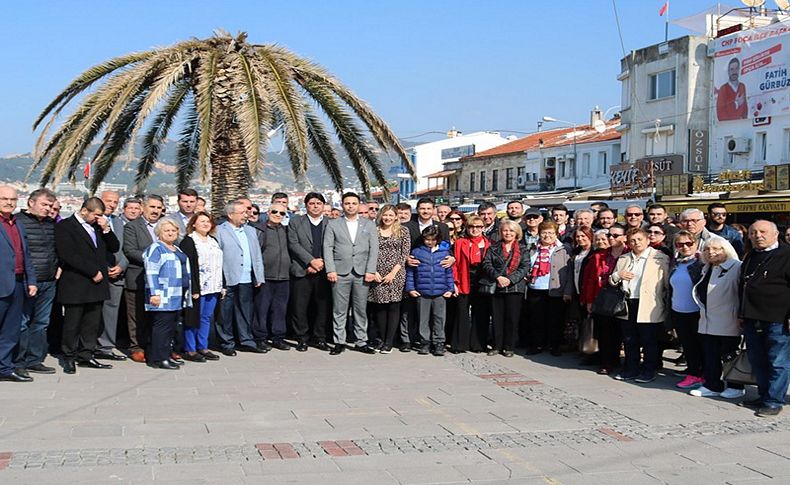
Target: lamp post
x,y
549,119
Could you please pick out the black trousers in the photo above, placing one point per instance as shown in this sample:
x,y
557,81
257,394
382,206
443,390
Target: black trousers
x,y
459,329
481,321
163,328
547,318
686,326
387,318
81,326
714,347
313,292
607,331
505,312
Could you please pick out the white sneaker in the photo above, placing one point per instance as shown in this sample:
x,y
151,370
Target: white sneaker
x,y
731,393
703,391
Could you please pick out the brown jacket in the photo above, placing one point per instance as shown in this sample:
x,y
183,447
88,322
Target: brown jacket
x,y
653,289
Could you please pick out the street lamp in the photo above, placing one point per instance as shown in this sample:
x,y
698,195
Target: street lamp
x,y
549,119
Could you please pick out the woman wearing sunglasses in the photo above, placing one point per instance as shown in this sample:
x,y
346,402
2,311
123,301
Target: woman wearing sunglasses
x,y
456,221
469,251
658,239
684,312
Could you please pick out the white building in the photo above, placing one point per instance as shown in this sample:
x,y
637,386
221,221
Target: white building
x,y
430,158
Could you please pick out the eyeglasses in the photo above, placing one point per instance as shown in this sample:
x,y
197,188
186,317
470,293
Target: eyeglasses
x,y
615,235
633,214
455,218
372,209
655,232
692,220
255,213
686,244
476,227
531,216
282,213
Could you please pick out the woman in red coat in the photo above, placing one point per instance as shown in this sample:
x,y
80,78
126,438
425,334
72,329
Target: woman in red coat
x,y
470,251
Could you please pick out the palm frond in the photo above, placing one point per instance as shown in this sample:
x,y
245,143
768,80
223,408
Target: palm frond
x,y
204,89
249,115
187,155
323,147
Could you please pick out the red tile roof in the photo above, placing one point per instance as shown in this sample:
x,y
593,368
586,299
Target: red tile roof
x,y
380,193
553,138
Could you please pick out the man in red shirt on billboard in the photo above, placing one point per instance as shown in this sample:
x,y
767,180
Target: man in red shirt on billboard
x,y
731,99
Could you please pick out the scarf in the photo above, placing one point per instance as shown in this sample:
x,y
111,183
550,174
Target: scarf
x,y
514,260
542,265
685,259
475,254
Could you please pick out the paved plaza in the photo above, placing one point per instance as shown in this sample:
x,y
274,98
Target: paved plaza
x,y
289,417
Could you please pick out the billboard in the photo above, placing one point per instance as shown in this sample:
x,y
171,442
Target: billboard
x,y
751,73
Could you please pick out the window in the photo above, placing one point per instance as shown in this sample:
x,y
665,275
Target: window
x,y
603,166
761,147
586,164
562,169
662,84
520,171
457,183
660,143
534,176
472,182
494,180
482,181
508,179
786,149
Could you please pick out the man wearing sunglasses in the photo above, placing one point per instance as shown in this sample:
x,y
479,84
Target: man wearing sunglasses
x,y
271,298
717,218
532,219
634,217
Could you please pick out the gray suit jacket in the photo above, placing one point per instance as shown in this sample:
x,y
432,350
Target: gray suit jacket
x,y
136,240
232,254
120,258
341,256
300,243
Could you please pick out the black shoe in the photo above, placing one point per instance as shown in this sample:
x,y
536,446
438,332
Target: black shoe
x,y
16,377
176,359
752,403
301,347
228,352
264,347
252,350
366,349
492,352
108,356
438,352
68,366
21,371
166,364
280,345
766,411
386,349
93,364
41,369
321,345
209,355
338,349
405,348
423,350
194,357
507,353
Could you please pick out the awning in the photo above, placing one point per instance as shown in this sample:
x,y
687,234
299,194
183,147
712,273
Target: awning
x,y
442,174
734,206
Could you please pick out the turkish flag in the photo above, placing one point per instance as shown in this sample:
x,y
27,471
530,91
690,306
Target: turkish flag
x,y
663,9
87,171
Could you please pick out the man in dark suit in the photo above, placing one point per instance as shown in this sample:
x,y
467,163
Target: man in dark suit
x,y
82,242
310,288
137,236
425,219
117,263
14,285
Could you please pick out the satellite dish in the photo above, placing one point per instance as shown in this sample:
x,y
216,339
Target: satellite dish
x,y
782,4
753,3
599,126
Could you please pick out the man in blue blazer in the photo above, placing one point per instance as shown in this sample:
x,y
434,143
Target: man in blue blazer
x,y
14,285
242,267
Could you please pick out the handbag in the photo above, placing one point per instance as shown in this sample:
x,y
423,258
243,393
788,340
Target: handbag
x,y
610,302
588,344
486,288
737,368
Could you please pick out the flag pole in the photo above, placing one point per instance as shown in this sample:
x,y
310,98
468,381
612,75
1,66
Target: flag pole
x,y
666,25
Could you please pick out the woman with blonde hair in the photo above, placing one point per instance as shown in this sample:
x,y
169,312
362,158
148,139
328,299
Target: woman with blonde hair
x,y
469,251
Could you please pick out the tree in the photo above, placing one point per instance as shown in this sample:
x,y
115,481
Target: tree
x,y
227,94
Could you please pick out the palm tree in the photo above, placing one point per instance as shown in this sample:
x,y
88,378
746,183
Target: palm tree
x,y
227,94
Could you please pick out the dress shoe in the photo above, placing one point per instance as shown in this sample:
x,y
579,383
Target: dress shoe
x,y
194,357
338,349
41,369
166,364
252,349
438,352
507,353
68,366
366,349
405,348
94,364
108,356
22,372
209,355
301,347
492,352
176,359
424,351
138,356
280,345
766,411
263,346
321,345
603,371
752,403
15,377
228,352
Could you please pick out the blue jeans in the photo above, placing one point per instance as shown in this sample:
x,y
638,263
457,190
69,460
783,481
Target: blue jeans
x,y
36,311
197,338
768,347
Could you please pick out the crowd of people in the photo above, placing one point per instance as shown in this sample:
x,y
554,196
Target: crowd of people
x,y
115,282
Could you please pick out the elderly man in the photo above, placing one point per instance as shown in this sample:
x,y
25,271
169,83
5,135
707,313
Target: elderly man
x,y
765,307
40,238
137,236
634,217
443,211
132,208
242,268
532,219
404,212
117,266
693,220
373,211
17,279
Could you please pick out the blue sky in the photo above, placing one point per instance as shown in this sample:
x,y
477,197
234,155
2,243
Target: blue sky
x,y
423,65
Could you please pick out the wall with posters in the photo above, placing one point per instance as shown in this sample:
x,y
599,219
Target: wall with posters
x,y
750,99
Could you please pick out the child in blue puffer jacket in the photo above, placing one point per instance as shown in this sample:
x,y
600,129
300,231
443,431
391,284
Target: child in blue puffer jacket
x,y
431,284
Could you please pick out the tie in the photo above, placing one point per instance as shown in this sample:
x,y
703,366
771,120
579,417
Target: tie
x,y
91,232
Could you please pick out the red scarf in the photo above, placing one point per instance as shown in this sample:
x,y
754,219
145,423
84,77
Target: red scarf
x,y
475,254
542,265
514,261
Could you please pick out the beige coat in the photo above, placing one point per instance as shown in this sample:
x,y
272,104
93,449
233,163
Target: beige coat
x,y
720,315
653,289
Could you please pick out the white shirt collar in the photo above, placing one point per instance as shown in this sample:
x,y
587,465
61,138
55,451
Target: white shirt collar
x,y
315,221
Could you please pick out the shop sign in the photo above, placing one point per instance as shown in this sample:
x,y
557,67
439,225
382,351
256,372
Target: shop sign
x,y
728,181
665,165
458,152
741,207
698,151
673,184
769,177
631,179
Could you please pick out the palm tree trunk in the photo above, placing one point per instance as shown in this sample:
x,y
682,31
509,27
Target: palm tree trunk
x,y
230,173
